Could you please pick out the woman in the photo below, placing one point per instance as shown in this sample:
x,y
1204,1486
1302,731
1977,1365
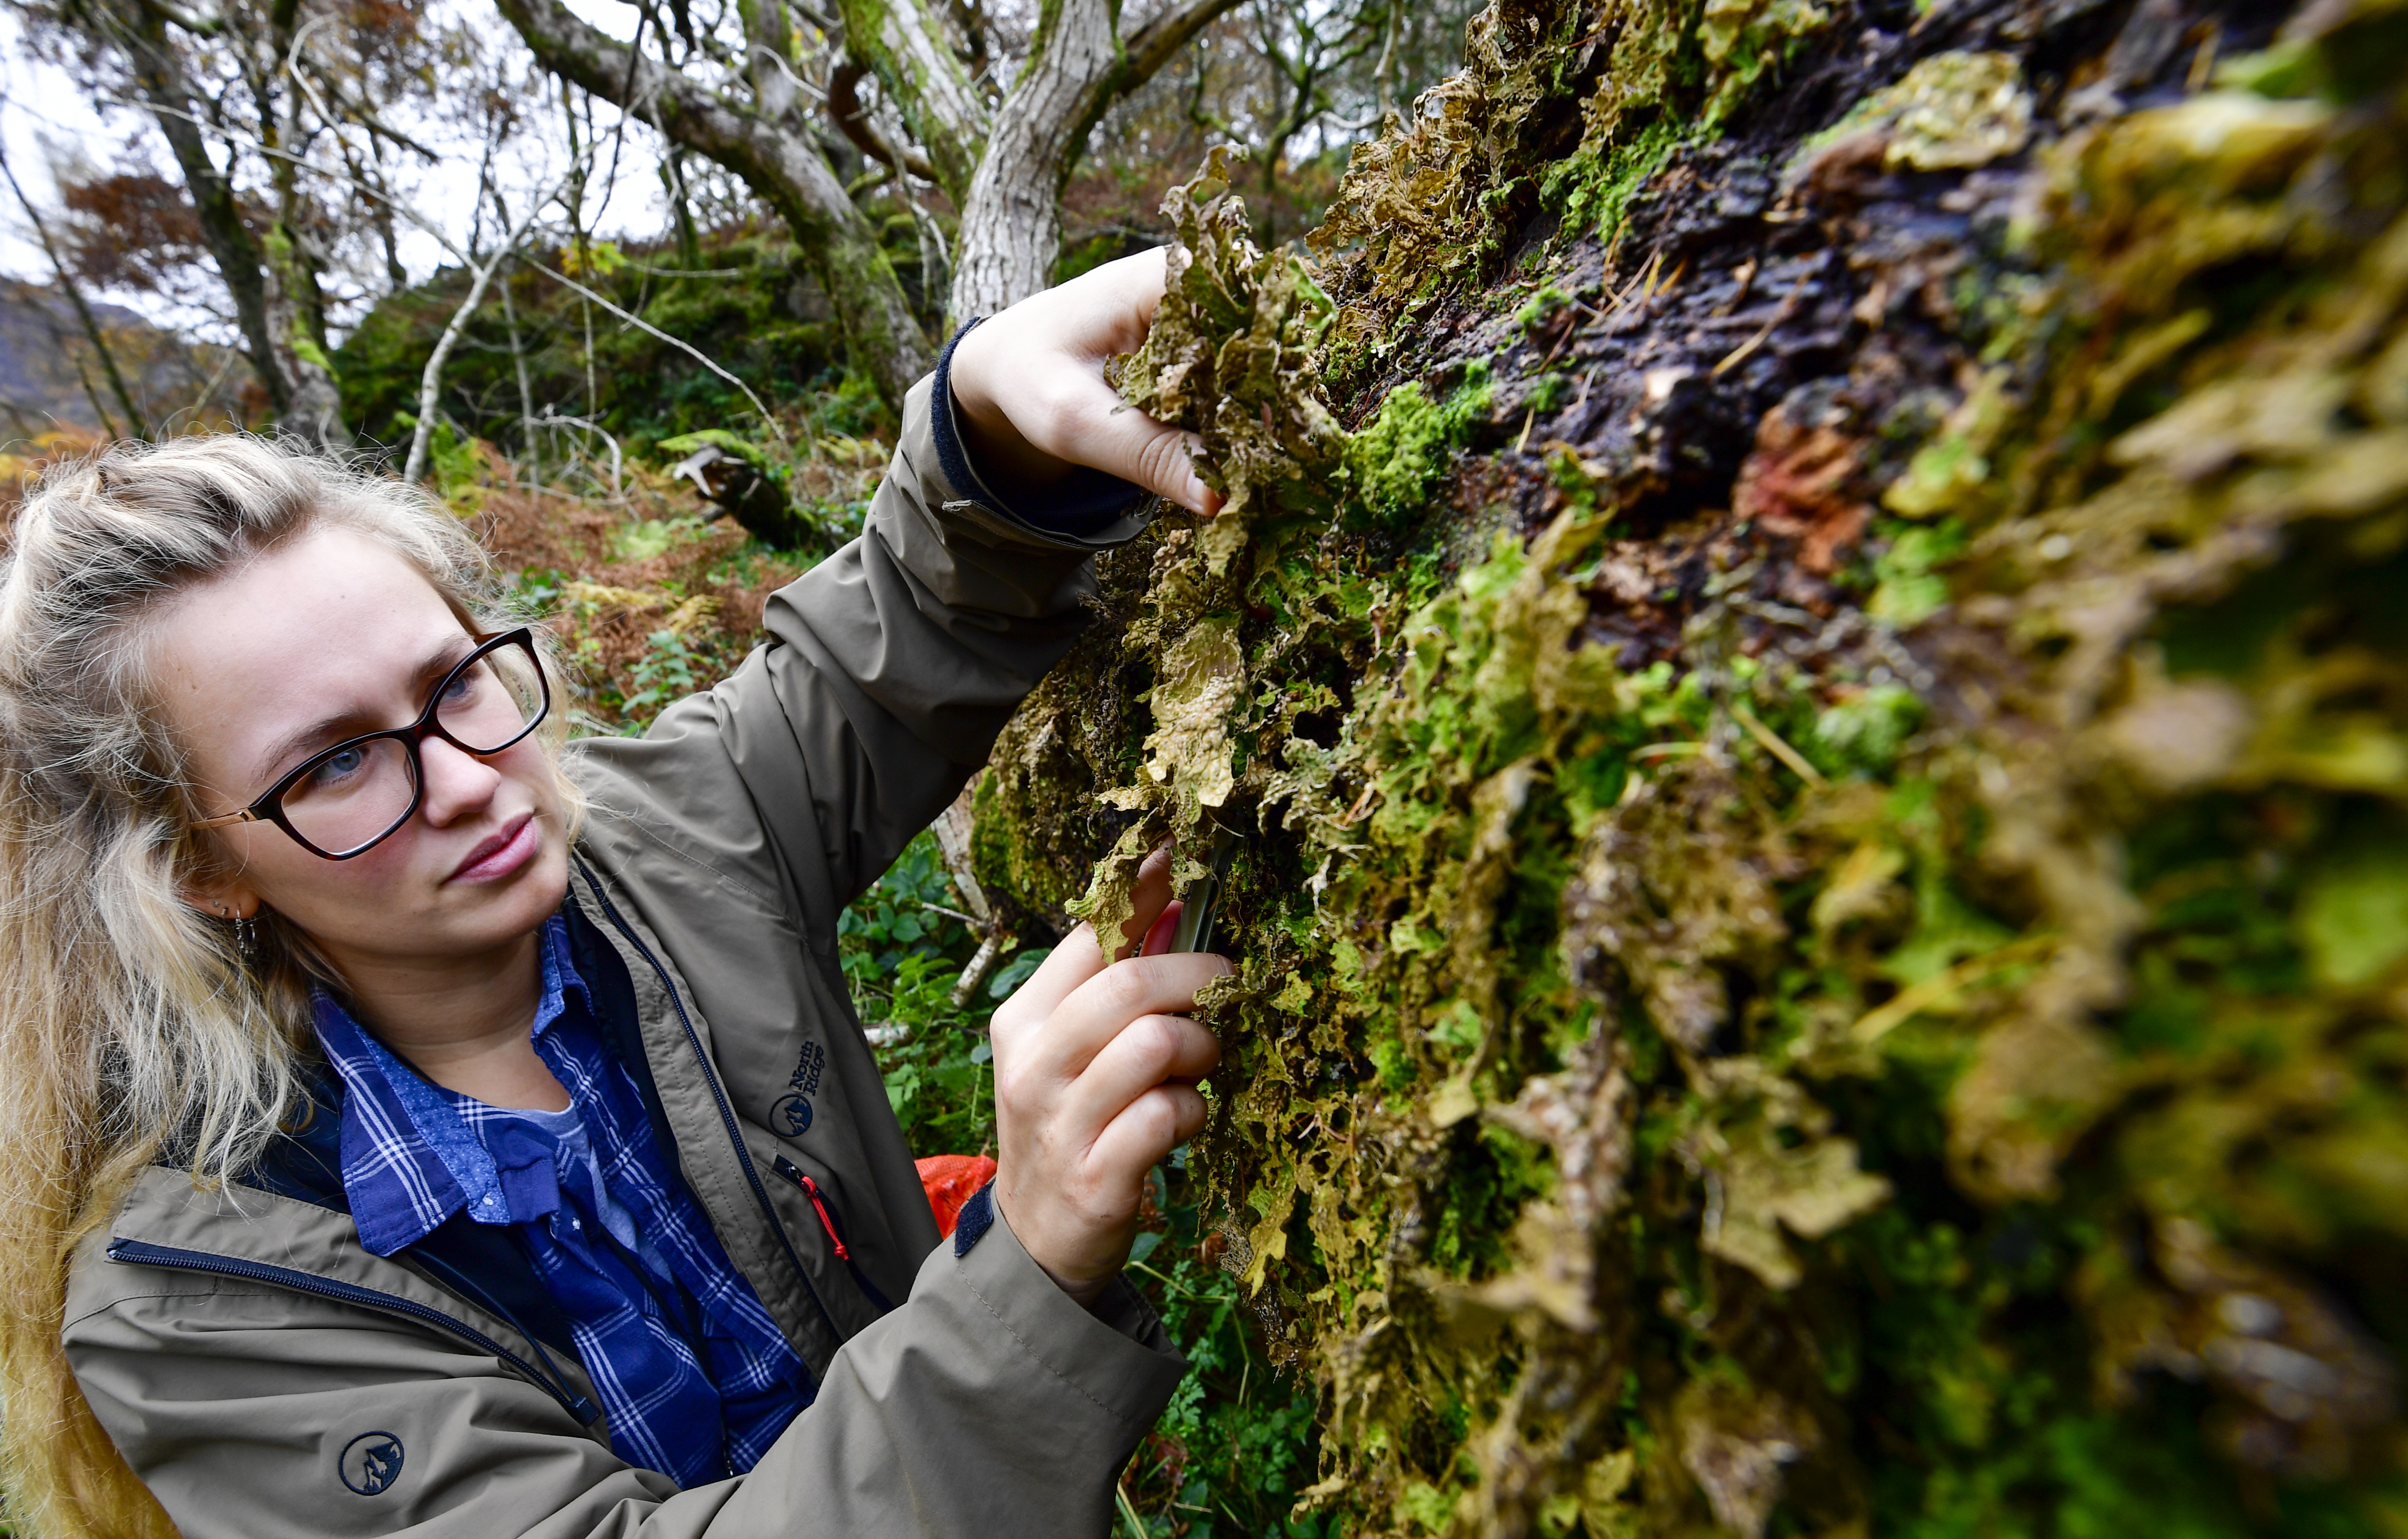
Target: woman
x,y
414,1125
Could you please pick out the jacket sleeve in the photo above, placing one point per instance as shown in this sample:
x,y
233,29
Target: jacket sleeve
x,y
889,669
994,1406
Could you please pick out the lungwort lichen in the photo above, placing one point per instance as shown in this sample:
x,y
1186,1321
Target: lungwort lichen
x,y
1820,774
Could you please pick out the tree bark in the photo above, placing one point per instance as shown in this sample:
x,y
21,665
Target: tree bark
x,y
239,258
780,161
903,43
1012,219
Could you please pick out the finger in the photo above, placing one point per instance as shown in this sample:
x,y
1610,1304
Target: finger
x,y
1100,1008
1078,958
1085,421
1150,1050
1149,896
1109,308
1165,931
1155,1124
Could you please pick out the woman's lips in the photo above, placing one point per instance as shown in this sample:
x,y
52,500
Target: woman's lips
x,y
502,854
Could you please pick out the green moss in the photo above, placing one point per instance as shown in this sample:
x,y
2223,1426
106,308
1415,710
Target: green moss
x,y
1396,458
1899,1084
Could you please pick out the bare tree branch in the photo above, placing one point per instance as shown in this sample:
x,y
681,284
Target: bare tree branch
x,y
1156,43
852,120
903,42
140,31
430,380
779,161
679,342
1011,222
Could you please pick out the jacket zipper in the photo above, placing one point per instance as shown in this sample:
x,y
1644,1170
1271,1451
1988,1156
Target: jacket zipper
x,y
794,1173
719,1096
142,1252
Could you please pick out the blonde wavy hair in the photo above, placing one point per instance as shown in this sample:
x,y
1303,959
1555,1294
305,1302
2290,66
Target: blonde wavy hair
x,y
131,1028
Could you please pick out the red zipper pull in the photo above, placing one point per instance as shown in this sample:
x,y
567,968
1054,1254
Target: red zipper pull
x,y
811,1191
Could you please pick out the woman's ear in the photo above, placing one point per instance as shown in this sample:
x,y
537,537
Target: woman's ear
x,y
229,898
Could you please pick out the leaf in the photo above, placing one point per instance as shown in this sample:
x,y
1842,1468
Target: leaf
x,y
2354,918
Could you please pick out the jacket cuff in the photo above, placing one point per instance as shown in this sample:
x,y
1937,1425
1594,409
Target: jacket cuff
x,y
1088,508
1117,1354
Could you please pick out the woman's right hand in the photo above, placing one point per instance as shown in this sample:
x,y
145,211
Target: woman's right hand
x,y
1030,385
1095,1064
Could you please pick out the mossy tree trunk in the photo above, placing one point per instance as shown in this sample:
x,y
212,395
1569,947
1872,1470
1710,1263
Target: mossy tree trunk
x,y
1807,669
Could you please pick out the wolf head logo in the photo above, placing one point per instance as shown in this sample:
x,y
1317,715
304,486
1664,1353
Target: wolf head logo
x,y
371,1462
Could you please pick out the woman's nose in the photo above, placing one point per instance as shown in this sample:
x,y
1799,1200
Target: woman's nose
x,y
458,783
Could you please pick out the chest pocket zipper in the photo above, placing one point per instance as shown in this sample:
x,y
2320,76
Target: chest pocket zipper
x,y
811,1189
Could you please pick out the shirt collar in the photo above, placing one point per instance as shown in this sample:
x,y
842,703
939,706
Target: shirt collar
x,y
408,1159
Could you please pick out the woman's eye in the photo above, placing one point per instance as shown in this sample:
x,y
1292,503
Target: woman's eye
x,y
338,767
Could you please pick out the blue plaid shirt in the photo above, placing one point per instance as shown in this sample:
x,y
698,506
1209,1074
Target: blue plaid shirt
x,y
694,1375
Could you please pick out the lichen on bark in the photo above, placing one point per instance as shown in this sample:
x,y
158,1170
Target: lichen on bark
x,y
1821,768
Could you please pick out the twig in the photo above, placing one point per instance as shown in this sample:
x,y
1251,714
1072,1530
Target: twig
x,y
1168,1280
430,381
682,272
1774,746
1780,312
1878,1024
552,418
679,343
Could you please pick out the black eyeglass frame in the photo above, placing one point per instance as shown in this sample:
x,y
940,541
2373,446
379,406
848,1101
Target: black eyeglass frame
x,y
269,807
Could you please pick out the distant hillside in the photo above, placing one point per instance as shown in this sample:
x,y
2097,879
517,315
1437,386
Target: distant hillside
x,y
175,382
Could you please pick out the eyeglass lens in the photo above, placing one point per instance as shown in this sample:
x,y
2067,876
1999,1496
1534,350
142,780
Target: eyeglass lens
x,y
361,791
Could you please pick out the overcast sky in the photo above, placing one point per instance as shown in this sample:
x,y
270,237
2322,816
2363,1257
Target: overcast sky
x,y
44,118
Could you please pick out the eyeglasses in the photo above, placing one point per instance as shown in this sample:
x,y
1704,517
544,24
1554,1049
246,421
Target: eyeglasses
x,y
352,796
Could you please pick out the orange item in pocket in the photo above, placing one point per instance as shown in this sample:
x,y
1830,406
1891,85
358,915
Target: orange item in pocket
x,y
952,1180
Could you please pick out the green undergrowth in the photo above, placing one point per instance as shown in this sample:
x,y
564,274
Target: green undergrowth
x,y
1949,1083
757,310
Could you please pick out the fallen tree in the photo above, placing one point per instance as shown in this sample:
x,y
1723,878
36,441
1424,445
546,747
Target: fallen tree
x,y
1806,669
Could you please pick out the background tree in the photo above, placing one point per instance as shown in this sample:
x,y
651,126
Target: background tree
x,y
244,96
758,89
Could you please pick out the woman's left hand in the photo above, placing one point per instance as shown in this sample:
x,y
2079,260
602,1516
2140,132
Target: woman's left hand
x,y
1034,404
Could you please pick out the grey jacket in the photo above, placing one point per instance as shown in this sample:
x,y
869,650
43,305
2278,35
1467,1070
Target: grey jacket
x,y
265,1375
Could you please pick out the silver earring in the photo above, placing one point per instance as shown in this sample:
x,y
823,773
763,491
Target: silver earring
x,y
246,941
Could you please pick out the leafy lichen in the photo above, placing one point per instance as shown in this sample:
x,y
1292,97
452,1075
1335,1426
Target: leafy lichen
x,y
1930,1064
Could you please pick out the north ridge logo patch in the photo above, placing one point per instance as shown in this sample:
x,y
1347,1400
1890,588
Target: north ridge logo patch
x,y
371,1462
791,1117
